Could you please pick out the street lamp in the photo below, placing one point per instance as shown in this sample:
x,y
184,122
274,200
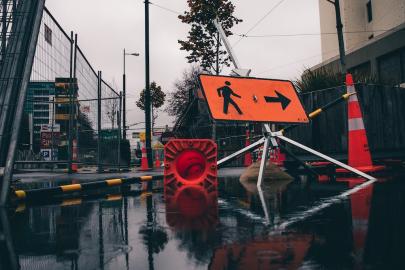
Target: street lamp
x,y
124,109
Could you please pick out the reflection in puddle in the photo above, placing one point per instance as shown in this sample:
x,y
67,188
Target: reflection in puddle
x,y
281,252
192,208
194,229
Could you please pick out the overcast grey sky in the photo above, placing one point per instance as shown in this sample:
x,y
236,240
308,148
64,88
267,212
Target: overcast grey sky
x,y
105,27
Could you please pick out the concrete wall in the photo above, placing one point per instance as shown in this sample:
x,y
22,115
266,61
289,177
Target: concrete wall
x,y
354,19
372,53
329,42
387,14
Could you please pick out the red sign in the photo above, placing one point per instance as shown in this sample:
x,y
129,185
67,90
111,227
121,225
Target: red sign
x,y
46,139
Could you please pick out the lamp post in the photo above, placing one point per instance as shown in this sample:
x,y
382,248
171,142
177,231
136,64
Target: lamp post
x,y
148,139
124,109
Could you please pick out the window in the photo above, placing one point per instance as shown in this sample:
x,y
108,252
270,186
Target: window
x,y
39,107
41,114
369,11
48,34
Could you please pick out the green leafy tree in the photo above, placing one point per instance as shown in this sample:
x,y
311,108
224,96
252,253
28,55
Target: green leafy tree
x,y
157,96
324,78
203,43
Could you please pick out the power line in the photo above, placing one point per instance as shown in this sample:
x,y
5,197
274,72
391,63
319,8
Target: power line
x,y
305,34
166,8
259,21
304,59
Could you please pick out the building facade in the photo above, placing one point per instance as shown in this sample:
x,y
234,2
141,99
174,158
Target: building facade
x,y
374,35
47,105
39,109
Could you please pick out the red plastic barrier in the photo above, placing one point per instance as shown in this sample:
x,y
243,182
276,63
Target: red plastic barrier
x,y
190,162
190,182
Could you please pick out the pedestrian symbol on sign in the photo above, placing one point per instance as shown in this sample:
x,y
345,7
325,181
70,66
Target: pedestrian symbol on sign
x,y
227,92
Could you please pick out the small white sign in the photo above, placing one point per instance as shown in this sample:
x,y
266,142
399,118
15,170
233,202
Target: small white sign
x,y
46,154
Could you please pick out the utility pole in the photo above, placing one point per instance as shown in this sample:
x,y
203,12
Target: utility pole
x,y
339,28
124,113
147,90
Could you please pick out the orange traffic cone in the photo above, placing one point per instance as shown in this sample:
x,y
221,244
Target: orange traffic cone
x,y
144,160
259,154
157,160
359,153
248,156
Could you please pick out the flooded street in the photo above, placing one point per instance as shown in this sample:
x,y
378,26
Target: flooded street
x,y
238,230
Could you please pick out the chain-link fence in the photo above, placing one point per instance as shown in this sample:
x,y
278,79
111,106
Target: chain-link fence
x,y
72,116
110,133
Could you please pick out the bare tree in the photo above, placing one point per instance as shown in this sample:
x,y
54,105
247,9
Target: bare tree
x,y
112,105
179,97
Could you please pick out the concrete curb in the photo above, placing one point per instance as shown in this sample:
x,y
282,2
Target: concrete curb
x,y
42,193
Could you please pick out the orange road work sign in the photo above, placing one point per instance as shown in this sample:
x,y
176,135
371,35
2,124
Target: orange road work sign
x,y
252,99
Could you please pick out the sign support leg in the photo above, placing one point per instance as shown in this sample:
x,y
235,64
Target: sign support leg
x,y
263,161
240,152
269,141
312,151
264,205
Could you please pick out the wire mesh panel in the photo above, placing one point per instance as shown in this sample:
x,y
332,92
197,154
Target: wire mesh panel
x,y
52,55
8,15
52,60
86,135
17,41
60,123
110,138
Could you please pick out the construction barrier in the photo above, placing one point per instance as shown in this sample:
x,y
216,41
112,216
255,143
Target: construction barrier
x,y
190,180
65,202
190,162
45,193
320,110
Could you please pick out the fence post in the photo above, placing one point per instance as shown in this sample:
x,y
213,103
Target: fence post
x,y
99,167
70,137
53,126
76,102
119,132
